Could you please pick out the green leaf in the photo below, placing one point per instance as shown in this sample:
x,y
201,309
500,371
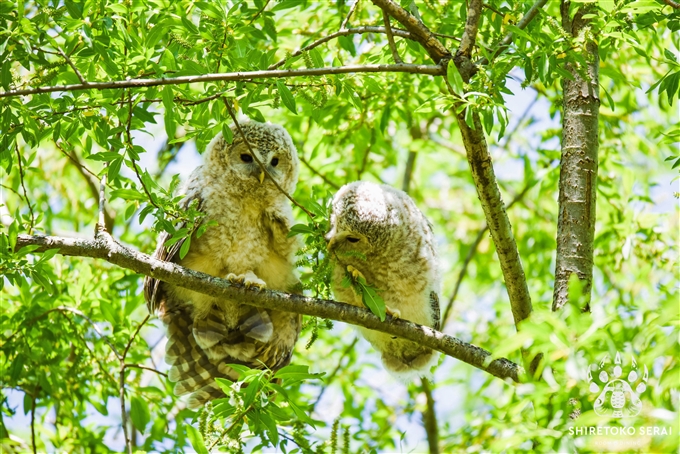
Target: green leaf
x,y
371,299
184,249
196,439
139,413
127,194
286,97
298,229
455,79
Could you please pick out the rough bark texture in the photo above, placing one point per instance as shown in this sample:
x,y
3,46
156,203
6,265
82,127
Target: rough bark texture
x,y
578,167
106,248
419,32
485,181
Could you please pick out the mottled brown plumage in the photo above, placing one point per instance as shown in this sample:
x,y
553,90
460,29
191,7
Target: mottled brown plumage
x,y
249,246
378,232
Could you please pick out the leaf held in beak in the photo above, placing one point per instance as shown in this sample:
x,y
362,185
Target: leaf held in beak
x,y
261,177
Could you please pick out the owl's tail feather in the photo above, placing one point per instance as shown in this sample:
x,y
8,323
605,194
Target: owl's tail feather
x,y
191,369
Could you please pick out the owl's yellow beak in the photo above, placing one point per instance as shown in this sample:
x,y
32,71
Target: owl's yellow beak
x,y
331,244
261,177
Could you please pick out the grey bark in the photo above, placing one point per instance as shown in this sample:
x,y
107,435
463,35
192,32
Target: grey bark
x,y
578,167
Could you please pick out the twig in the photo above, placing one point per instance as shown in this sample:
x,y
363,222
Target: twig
x,y
34,396
390,38
257,14
137,366
343,32
364,161
430,418
73,67
672,4
419,32
139,327
23,188
492,8
259,162
507,39
432,70
123,413
74,311
458,149
408,171
106,248
327,380
319,174
343,26
101,222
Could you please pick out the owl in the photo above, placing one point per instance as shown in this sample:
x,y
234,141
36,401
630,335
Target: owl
x,y
249,245
378,232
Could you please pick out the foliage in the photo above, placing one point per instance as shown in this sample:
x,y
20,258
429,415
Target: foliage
x,y
73,327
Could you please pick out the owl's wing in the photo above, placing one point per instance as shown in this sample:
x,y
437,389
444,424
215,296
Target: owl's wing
x,y
152,287
436,314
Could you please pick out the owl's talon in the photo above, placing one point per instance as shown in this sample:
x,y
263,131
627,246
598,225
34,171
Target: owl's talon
x,y
395,313
356,274
248,280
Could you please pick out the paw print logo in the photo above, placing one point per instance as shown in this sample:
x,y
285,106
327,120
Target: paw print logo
x,y
617,390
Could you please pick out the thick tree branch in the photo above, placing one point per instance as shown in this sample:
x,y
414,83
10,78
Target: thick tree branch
x,y
419,32
432,70
106,248
579,163
485,180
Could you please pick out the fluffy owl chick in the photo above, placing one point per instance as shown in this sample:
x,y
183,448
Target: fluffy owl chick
x,y
250,246
378,232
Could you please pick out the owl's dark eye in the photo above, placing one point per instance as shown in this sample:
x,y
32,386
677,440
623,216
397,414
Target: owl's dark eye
x,y
246,158
275,162
352,239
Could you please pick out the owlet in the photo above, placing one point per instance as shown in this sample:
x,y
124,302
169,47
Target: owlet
x,y
249,246
378,232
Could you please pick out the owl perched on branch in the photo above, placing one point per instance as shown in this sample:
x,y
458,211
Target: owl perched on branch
x,y
377,233
249,246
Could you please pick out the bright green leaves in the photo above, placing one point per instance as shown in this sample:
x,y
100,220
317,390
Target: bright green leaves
x,y
169,116
454,78
258,400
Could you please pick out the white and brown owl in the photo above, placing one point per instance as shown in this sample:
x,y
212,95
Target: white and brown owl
x,y
249,246
378,232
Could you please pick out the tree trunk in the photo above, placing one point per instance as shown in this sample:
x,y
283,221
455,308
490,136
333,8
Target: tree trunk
x,y
578,168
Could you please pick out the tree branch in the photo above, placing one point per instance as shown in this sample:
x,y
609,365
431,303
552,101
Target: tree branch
x,y
419,32
343,32
390,38
672,4
430,418
485,180
432,70
343,25
522,24
319,174
23,188
106,248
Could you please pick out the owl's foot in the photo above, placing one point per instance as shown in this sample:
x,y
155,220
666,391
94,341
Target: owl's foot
x,y
248,280
396,313
356,274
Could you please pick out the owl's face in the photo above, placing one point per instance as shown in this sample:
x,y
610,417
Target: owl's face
x,y
273,147
365,218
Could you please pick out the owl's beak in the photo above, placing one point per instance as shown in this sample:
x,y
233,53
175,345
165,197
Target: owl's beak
x,y
331,243
261,176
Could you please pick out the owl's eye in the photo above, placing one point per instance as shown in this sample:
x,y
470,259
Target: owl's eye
x,y
246,158
352,239
275,162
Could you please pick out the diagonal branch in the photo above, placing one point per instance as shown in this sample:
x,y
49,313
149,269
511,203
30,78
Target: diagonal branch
x,y
419,32
390,38
106,248
343,25
432,70
484,178
342,32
